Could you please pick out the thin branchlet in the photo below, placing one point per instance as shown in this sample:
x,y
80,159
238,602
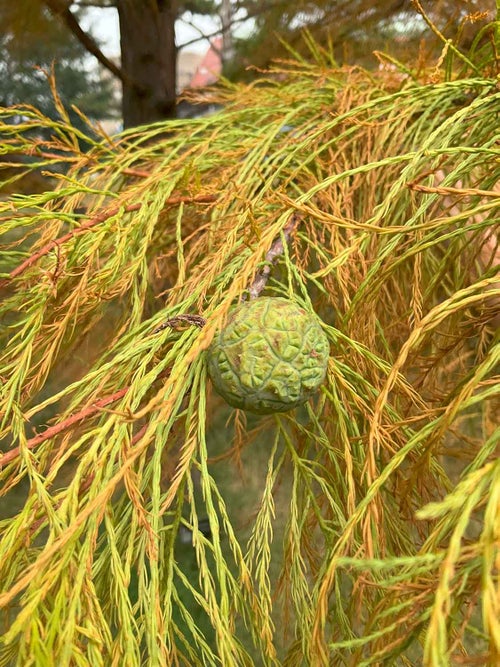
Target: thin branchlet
x,y
275,251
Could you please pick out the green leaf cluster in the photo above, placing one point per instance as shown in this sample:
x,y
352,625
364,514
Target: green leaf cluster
x,y
360,529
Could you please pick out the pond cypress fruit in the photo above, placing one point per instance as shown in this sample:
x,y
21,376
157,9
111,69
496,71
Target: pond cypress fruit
x,y
271,356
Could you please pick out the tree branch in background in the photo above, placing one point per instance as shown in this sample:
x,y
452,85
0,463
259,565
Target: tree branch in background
x,y
225,28
201,37
61,9
99,5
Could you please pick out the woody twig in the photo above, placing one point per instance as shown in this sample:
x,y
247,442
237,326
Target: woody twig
x,y
275,251
64,425
89,224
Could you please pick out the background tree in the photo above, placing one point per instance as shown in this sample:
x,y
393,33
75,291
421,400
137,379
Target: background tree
x,y
33,45
148,50
353,30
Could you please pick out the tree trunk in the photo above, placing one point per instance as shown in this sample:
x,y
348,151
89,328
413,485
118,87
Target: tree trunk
x,y
148,54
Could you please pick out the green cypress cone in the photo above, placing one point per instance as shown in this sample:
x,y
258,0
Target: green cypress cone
x,y
271,356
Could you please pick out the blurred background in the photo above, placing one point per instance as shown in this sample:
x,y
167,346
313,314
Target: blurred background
x,y
128,62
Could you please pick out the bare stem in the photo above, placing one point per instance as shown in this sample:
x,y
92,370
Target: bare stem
x,y
275,251
85,226
51,245
64,425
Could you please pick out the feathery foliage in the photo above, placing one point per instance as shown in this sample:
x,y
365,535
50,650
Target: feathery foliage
x,y
362,529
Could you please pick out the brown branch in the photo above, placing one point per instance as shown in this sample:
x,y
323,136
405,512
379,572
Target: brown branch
x,y
463,192
197,199
87,412
85,226
64,425
272,255
61,9
57,242
139,173
54,156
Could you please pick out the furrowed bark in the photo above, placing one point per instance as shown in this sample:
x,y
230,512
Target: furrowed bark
x,y
149,59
